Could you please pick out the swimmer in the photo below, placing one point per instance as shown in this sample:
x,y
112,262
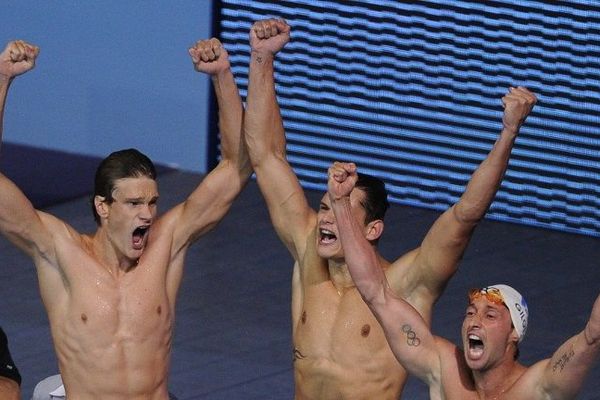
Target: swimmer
x,y
110,296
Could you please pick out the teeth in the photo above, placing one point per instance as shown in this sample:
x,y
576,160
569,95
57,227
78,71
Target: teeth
x,y
326,232
474,337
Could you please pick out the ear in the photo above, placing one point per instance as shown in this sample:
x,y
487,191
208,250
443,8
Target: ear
x,y
514,336
374,230
101,206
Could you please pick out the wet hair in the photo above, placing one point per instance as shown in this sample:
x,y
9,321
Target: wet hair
x,y
128,163
375,201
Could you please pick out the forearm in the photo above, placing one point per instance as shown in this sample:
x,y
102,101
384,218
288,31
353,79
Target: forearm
x,y
4,86
263,123
359,254
230,113
486,180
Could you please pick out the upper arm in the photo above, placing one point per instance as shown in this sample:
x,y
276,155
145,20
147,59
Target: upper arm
x,y
562,376
410,338
9,389
23,225
288,207
427,269
205,207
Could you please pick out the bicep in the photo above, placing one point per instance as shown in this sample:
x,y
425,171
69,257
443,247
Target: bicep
x,y
288,207
410,338
436,260
206,206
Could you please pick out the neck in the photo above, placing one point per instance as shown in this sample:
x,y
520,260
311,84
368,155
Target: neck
x,y
492,383
340,275
110,257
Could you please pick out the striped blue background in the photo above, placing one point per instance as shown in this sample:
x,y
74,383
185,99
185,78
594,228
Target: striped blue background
x,y
411,91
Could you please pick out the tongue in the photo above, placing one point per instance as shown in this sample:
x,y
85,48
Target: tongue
x,y
138,241
475,352
326,239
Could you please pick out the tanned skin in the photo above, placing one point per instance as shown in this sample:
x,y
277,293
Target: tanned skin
x,y
110,296
340,350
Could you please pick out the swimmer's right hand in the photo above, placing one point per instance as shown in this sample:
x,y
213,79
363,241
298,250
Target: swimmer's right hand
x,y
17,58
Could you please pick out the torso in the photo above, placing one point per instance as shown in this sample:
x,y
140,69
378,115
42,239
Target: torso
x,y
112,335
340,351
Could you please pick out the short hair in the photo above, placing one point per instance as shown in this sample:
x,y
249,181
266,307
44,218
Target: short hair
x,y
375,201
128,163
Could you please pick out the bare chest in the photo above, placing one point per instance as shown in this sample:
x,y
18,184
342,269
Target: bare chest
x,y
339,326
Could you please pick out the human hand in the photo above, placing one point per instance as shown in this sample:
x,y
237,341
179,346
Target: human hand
x,y
341,179
518,103
209,56
269,36
17,58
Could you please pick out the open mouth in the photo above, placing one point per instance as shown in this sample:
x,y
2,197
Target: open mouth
x,y
138,236
475,346
326,236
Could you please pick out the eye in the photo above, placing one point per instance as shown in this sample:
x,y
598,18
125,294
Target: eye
x,y
491,315
470,312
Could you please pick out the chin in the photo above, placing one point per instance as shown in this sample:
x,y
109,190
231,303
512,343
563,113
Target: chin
x,y
329,252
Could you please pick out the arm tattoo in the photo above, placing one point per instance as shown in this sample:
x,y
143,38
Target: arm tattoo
x,y
259,59
563,360
298,355
411,336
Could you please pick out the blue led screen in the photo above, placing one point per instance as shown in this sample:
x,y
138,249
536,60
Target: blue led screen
x,y
410,91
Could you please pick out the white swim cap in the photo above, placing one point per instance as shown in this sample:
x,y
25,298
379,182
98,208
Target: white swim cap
x,y
516,304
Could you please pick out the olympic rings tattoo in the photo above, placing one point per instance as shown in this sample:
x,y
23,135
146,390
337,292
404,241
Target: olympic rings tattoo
x,y
411,336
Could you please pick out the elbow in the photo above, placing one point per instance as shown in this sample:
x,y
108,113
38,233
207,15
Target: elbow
x,y
467,215
373,293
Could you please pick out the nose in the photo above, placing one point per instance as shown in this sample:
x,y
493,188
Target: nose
x,y
474,322
146,213
326,216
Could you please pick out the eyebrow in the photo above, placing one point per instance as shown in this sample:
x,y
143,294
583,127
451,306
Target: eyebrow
x,y
139,198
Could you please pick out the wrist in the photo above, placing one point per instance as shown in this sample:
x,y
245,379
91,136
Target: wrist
x,y
511,131
339,199
5,80
262,57
222,74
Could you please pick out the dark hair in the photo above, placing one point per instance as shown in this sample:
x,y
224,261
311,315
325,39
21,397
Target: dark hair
x,y
375,201
128,163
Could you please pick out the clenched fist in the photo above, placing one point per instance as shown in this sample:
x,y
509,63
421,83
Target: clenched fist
x,y
17,58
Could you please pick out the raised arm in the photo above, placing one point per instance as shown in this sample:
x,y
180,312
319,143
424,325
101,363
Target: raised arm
x,y
562,376
211,200
265,137
436,260
19,221
407,333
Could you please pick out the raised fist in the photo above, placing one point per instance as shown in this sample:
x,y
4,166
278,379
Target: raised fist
x,y
518,103
341,179
209,56
269,36
17,58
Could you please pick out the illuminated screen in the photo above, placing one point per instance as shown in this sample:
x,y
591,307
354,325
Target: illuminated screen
x,y
411,92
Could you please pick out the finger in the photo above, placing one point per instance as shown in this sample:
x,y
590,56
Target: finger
x,y
282,25
271,28
259,30
350,167
193,52
16,51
